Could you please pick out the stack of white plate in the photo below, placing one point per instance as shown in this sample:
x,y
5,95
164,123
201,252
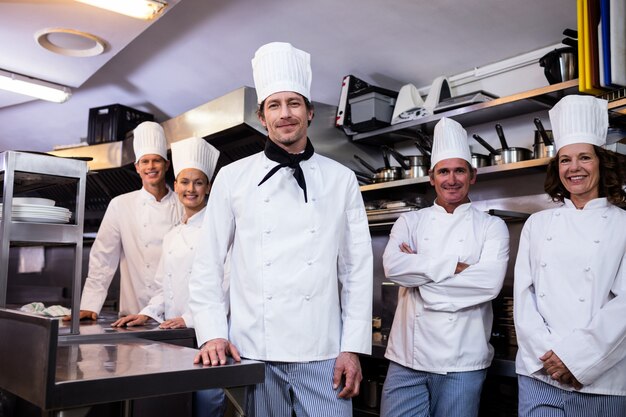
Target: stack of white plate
x,y
37,210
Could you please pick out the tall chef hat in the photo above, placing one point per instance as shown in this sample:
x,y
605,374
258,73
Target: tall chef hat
x,y
277,67
194,153
449,141
579,119
149,138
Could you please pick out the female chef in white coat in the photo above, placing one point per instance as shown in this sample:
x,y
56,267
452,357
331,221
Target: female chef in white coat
x,y
570,276
194,162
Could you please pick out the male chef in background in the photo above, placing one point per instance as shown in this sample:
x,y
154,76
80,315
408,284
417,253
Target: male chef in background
x,y
132,231
297,226
449,260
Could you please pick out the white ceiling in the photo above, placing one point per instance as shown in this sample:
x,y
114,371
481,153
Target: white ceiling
x,y
201,49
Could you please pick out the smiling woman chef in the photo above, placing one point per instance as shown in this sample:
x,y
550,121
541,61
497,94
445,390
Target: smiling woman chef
x,y
570,276
194,162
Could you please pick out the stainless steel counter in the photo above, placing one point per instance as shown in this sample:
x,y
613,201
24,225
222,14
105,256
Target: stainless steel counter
x,y
92,373
100,365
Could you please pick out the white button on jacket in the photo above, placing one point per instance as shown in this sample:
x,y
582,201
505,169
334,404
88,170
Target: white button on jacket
x,y
122,240
581,311
270,317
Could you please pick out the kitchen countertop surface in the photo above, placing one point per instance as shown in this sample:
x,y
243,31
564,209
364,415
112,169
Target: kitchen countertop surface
x,y
60,371
101,330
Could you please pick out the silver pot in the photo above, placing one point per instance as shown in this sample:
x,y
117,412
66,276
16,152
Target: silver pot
x,y
413,166
515,154
540,150
480,160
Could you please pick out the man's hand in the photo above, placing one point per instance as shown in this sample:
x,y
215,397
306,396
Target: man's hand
x,y
83,315
213,352
131,320
348,368
557,370
404,247
175,323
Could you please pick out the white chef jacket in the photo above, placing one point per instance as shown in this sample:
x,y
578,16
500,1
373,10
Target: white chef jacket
x,y
288,258
443,320
172,276
130,235
570,295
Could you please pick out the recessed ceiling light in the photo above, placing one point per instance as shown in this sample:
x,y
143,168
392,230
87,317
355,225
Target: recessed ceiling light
x,y
70,42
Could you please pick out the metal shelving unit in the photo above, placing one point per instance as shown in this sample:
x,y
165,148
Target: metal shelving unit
x,y
514,105
23,172
489,172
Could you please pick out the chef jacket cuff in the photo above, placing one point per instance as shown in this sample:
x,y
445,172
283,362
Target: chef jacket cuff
x,y
357,337
188,319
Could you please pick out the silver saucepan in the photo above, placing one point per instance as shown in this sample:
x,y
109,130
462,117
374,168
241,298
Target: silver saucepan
x,y
414,166
510,155
543,146
381,174
495,156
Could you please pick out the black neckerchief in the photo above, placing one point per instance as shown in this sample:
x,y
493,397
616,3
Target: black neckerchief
x,y
288,160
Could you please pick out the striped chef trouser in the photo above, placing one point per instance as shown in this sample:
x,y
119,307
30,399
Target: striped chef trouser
x,y
301,389
411,393
539,399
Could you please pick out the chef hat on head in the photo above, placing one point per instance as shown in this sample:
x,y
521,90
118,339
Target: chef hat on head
x,y
149,138
277,67
449,141
194,153
579,119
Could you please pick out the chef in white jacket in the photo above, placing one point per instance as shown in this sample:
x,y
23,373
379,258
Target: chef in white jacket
x,y
570,276
449,260
194,162
297,226
132,230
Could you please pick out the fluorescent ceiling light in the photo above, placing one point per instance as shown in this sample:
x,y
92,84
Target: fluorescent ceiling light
x,y
140,9
33,87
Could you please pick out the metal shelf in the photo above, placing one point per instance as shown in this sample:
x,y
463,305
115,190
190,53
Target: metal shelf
x,y
28,172
517,104
490,172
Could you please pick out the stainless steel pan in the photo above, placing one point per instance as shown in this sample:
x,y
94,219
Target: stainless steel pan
x,y
381,174
495,156
510,155
543,146
414,166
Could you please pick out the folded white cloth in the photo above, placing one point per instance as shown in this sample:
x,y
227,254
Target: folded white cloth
x,y
40,308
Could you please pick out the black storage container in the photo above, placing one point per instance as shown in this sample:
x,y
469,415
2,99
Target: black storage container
x,y
113,122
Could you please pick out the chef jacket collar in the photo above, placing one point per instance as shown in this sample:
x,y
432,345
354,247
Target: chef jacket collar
x,y
145,194
196,219
596,203
462,209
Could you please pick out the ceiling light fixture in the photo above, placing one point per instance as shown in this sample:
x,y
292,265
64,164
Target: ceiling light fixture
x,y
140,9
70,42
33,87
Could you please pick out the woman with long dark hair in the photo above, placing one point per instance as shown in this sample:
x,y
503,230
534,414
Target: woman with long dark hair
x,y
570,276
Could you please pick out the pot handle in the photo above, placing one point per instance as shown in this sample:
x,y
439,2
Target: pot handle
x,y
386,157
501,136
398,157
365,164
542,132
484,143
